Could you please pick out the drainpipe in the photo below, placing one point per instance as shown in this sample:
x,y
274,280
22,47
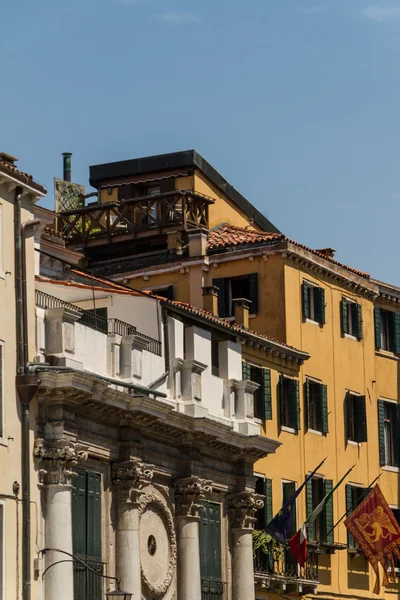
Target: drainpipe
x,y
26,387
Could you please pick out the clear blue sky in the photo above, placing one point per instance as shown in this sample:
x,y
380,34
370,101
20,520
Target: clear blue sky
x,y
295,102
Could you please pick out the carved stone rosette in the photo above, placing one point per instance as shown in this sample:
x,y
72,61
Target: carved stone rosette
x,y
243,507
55,460
129,479
189,494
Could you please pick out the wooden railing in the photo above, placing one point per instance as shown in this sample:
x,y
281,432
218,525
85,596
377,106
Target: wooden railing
x,y
111,219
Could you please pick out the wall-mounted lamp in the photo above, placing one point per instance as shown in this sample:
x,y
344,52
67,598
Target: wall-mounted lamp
x,y
118,595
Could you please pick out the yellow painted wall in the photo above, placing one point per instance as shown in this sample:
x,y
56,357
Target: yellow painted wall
x,y
106,197
180,281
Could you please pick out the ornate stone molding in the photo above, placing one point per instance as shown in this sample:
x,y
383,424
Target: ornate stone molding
x,y
189,493
129,478
243,507
56,459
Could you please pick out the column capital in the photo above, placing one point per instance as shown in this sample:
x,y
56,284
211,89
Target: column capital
x,y
243,507
189,494
129,479
56,459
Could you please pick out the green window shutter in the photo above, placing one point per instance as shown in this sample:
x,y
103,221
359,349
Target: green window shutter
x,y
268,501
307,392
349,506
396,430
79,523
246,371
94,515
309,509
381,428
377,318
267,395
343,315
324,392
396,340
360,416
306,308
282,390
319,303
358,319
348,401
222,299
327,514
293,403
210,542
253,292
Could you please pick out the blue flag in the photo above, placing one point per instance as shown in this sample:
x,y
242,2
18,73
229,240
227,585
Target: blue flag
x,y
279,527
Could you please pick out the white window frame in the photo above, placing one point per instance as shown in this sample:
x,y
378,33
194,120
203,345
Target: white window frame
x,y
2,550
311,303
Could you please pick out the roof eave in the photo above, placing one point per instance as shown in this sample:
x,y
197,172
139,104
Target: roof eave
x,y
30,188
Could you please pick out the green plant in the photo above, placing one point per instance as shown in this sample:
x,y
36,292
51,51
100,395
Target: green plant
x,y
264,542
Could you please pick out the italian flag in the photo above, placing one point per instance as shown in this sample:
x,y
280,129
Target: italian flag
x,y
298,543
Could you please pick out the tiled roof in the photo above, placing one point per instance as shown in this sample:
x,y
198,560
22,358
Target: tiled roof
x,y
228,236
10,169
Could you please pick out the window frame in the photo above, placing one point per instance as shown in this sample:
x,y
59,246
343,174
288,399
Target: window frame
x,y
293,524
312,290
353,432
385,334
284,406
320,424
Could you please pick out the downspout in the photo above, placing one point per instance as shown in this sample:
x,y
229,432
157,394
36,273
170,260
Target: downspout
x,y
26,386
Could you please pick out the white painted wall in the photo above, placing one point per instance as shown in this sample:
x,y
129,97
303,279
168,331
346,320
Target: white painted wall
x,y
91,349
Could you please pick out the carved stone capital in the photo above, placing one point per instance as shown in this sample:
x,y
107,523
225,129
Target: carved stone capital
x,y
129,479
55,460
243,507
189,494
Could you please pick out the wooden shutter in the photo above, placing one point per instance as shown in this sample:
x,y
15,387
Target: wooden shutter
x,y
253,292
324,394
306,308
396,336
343,315
327,513
309,509
94,515
246,371
293,403
266,389
281,398
319,304
358,321
377,318
360,416
79,524
348,409
210,542
349,510
222,297
268,501
381,428
307,393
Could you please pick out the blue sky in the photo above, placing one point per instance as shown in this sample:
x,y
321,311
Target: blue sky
x,y
295,102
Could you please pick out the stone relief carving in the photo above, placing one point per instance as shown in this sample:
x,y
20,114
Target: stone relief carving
x,y
129,478
243,507
189,493
55,460
151,501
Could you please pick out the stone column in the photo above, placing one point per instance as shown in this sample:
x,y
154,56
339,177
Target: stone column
x,y
55,461
189,493
129,478
243,507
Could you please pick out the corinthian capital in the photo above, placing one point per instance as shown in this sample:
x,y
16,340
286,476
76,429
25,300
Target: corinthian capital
x,y
189,494
56,459
243,507
129,478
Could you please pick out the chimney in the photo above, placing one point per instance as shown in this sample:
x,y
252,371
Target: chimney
x,y
241,310
67,166
7,158
198,242
327,252
210,299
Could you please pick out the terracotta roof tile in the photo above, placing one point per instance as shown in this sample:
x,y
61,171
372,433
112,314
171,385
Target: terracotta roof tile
x,y
9,168
227,236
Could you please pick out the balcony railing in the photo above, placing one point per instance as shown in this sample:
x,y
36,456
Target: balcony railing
x,y
213,590
109,220
88,585
282,564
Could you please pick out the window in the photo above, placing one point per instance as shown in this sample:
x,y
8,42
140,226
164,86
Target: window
x,y
354,495
313,302
265,514
210,551
262,396
316,406
387,330
396,513
164,292
215,356
351,318
2,383
321,529
289,403
356,418
245,286
288,489
389,430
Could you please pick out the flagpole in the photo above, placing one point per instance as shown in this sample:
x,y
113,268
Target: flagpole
x,y
350,510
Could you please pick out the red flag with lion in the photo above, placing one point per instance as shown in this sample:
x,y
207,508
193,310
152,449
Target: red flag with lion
x,y
377,532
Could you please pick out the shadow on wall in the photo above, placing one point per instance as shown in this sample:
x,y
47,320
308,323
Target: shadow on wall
x,y
357,572
324,569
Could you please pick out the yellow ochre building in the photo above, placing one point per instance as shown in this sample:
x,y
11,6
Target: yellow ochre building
x,y
173,225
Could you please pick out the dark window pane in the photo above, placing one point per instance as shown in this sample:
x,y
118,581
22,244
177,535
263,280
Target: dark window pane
x,y
215,357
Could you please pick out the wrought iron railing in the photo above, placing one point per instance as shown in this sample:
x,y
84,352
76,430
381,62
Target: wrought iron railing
x,y
95,321
88,585
283,564
44,300
109,219
213,590
120,328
